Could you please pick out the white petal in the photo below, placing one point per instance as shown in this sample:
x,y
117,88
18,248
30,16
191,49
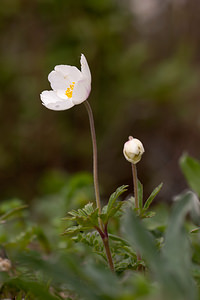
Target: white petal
x,y
57,81
49,97
70,73
52,101
62,105
85,68
81,91
61,94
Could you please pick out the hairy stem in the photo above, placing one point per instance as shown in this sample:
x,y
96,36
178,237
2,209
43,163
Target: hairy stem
x,y
107,248
108,253
135,185
95,166
102,231
105,239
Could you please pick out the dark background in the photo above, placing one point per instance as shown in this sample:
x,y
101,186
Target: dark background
x,y
144,58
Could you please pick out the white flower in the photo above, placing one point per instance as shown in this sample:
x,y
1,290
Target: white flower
x,y
5,264
133,150
70,86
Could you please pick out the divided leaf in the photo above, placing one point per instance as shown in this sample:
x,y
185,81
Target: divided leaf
x,y
86,217
152,196
120,190
75,229
113,206
91,239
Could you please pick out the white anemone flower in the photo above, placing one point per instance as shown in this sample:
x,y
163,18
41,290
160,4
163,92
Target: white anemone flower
x,y
70,86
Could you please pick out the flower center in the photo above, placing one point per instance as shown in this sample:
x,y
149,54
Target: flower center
x,y
69,90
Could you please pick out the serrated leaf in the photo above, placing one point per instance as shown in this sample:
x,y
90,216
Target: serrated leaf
x,y
86,217
113,211
118,239
104,209
191,170
115,196
147,214
74,229
112,208
91,239
152,196
140,194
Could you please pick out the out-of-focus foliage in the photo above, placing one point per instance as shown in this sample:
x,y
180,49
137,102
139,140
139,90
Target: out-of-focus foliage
x,y
46,265
191,170
144,59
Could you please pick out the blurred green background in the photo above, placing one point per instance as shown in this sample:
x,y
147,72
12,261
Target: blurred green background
x,y
144,57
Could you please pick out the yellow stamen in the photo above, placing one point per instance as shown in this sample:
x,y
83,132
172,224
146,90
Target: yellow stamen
x,y
69,90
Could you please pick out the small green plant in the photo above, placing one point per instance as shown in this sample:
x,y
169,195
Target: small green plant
x,y
149,254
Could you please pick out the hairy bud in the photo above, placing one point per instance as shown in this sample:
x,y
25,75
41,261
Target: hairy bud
x,y
133,150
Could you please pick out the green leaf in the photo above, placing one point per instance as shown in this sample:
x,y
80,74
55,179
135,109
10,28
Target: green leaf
x,y
91,239
75,229
195,230
146,214
118,239
86,217
11,212
112,207
177,250
141,240
120,190
26,237
39,291
140,194
86,279
152,196
172,266
191,170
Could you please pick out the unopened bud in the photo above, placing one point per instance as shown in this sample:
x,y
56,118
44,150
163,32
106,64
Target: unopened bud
x,y
133,150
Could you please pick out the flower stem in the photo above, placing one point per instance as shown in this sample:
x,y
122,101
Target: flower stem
x,y
105,239
101,229
107,248
135,185
95,167
108,253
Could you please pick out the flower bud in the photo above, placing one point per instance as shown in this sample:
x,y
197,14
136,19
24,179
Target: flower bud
x,y
133,150
5,264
